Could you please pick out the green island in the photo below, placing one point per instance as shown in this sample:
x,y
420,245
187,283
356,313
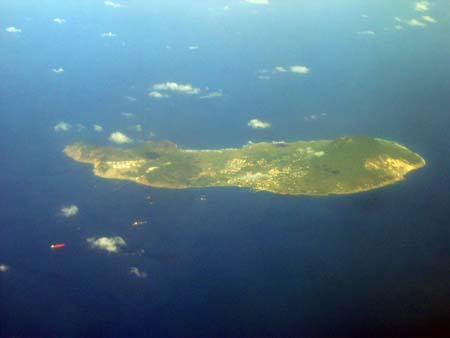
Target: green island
x,y
345,165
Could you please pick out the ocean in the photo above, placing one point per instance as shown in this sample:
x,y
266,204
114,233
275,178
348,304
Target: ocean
x,y
221,262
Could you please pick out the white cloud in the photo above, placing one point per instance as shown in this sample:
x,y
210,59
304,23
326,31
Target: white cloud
x,y
131,98
193,47
59,20
157,95
138,273
136,127
429,19
311,118
398,27
314,117
62,126
119,138
280,69
13,29
422,6
128,115
258,2
110,244
258,124
299,69
212,95
70,211
416,23
263,74
293,69
4,267
176,87
364,16
366,33
98,128
112,4
58,70
108,35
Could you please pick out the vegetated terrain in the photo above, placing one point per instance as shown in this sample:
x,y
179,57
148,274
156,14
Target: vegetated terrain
x,y
341,166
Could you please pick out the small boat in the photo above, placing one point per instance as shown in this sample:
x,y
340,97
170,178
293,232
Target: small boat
x,y
57,246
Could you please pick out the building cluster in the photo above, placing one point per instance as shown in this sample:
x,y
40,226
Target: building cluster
x,y
234,165
125,164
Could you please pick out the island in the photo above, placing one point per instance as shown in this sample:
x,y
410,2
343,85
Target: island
x,y
348,164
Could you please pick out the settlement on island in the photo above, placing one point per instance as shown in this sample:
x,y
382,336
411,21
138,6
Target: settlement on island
x,y
345,165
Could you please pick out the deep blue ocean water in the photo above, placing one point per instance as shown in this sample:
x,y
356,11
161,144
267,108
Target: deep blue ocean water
x,y
240,263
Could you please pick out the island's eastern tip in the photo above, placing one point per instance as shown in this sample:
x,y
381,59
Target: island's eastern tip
x,y
346,165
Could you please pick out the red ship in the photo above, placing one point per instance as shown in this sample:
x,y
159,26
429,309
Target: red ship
x,y
57,246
